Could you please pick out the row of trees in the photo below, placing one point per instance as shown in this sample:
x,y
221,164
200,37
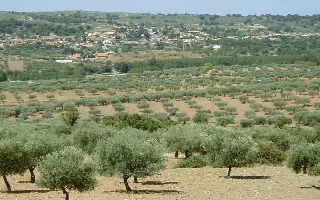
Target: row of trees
x,y
125,67
60,147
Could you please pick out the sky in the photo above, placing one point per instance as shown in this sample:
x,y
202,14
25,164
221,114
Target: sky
x,y
220,7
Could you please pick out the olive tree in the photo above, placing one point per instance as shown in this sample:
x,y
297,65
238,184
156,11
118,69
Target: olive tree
x,y
39,145
304,157
86,135
14,159
184,137
118,107
127,155
230,148
243,98
66,170
200,117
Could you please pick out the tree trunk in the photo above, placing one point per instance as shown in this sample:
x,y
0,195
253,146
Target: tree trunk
x,y
65,191
187,153
229,171
125,180
33,177
7,183
135,179
176,154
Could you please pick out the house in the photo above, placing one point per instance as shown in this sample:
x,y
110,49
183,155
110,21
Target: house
x,y
64,61
102,55
76,56
88,45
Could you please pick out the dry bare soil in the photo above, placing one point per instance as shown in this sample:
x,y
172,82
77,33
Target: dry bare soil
x,y
204,183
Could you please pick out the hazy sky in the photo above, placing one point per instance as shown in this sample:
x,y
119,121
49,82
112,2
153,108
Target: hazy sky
x,y
220,7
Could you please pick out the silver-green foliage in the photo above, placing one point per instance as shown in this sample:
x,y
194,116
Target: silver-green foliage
x,y
67,169
230,148
184,136
86,135
128,154
143,104
118,107
40,144
305,157
14,158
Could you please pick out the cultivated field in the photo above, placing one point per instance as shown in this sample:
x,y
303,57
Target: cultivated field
x,y
218,91
200,183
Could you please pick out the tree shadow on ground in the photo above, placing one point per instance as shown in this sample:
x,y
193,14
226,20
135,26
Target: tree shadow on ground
x,y
247,177
24,182
27,191
146,191
313,186
159,182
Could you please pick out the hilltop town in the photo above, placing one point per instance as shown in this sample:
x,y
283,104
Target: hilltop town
x,y
90,36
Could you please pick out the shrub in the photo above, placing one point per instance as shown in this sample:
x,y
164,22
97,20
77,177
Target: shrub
x,y
192,162
268,153
143,122
70,118
281,121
